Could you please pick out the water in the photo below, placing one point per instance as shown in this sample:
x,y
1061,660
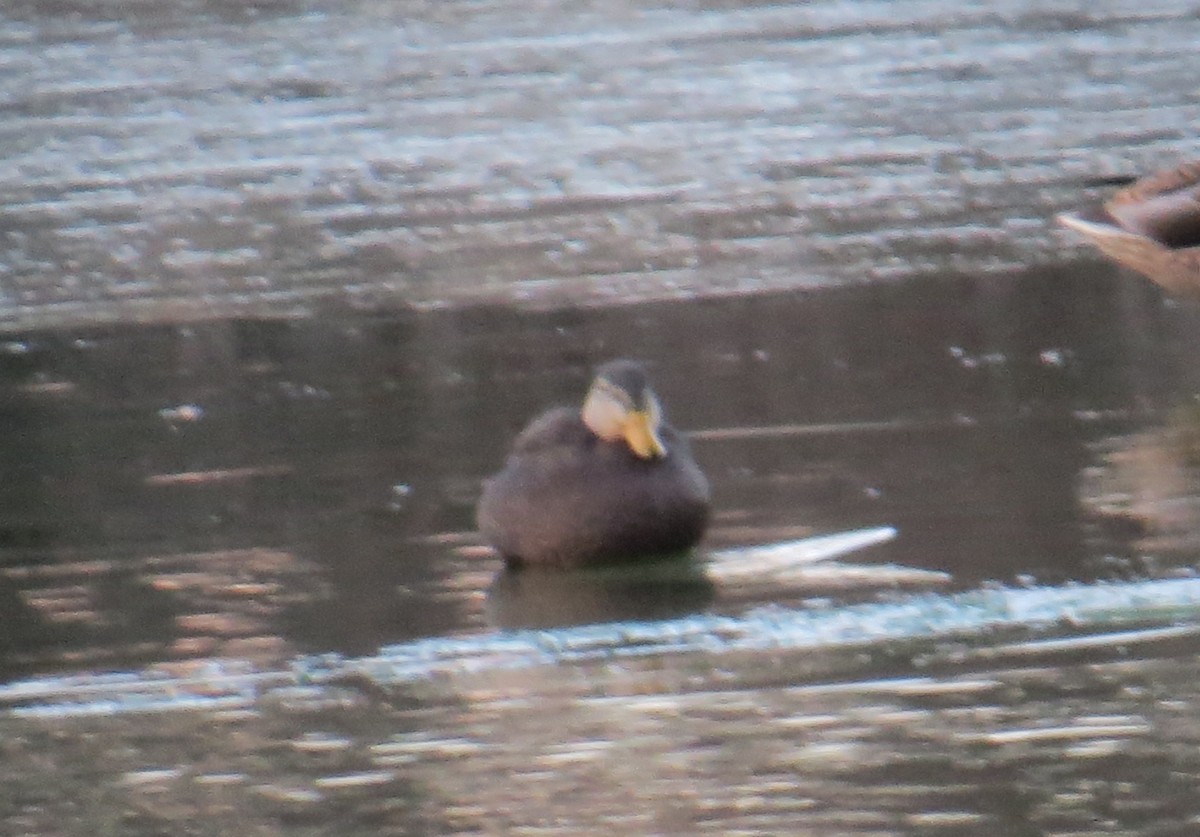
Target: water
x,y
239,588
270,488
241,583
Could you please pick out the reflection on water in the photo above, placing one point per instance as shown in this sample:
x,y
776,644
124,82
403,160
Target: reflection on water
x,y
1140,497
545,599
984,712
255,489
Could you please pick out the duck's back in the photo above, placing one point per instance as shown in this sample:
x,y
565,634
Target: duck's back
x,y
566,497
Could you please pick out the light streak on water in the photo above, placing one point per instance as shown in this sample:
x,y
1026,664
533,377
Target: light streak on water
x,y
1075,617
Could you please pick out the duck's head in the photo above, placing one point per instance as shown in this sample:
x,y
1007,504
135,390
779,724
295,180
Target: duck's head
x,y
621,406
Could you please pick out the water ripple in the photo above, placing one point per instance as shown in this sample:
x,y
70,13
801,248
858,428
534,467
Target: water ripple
x,y
1075,618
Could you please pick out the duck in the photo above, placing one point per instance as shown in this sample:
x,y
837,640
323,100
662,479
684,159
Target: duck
x,y
1151,226
607,482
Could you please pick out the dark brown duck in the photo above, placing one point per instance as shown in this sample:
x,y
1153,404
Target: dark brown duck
x,y
610,481
1153,227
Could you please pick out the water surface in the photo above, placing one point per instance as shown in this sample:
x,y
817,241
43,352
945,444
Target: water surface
x,y
270,487
267,524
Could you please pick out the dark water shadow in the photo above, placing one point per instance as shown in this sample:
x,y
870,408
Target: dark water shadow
x,y
536,598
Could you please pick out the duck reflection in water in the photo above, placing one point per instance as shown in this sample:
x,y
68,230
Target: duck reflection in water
x,y
665,588
609,482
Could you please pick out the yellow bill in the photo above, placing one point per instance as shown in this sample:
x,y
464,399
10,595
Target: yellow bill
x,y
641,435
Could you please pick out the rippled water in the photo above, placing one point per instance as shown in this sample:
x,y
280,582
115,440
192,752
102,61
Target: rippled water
x,y
239,588
263,528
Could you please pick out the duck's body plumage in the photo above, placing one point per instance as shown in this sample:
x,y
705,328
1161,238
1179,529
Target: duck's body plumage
x,y
567,497
1153,227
